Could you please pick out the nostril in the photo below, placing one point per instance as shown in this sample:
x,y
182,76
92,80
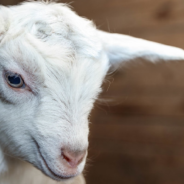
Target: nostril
x,y
66,157
73,158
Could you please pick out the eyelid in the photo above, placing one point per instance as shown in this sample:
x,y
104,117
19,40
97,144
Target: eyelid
x,y
6,72
25,87
16,75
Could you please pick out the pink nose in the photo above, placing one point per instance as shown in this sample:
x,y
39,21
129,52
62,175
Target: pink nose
x,y
73,158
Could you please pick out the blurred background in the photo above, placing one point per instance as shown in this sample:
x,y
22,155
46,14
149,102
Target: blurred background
x,y
137,130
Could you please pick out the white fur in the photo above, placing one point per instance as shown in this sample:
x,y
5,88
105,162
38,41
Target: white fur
x,y
63,59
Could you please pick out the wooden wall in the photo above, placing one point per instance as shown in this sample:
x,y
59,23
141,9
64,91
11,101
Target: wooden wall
x,y
137,130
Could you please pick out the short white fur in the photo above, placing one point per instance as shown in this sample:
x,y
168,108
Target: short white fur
x,y
63,60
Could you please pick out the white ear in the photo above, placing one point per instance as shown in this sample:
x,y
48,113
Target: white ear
x,y
4,21
120,48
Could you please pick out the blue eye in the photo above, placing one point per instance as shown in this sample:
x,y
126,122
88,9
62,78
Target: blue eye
x,y
14,80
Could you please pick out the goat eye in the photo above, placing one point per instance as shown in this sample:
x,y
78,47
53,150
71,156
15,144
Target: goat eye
x,y
14,80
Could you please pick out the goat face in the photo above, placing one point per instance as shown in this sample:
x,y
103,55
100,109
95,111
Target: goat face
x,y
45,120
52,64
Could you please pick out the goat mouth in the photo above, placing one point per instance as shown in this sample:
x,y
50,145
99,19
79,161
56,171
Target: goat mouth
x,y
47,166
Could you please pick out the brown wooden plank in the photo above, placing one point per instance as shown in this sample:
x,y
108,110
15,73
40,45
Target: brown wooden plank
x,y
130,15
146,105
141,133
128,169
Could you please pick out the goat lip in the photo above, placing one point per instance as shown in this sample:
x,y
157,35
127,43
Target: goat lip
x,y
56,176
53,173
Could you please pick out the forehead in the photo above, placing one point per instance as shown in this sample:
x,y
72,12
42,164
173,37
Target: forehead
x,y
56,24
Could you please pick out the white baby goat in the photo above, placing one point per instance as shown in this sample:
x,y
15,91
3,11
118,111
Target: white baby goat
x,y
52,64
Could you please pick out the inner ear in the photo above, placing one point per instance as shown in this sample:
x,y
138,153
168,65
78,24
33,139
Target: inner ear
x,y
4,21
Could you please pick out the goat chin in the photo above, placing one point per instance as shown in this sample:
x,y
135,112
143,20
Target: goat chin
x,y
21,172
